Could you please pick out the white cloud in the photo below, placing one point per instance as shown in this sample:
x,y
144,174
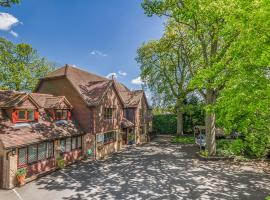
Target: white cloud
x,y
137,81
13,33
116,75
122,73
7,21
98,53
110,75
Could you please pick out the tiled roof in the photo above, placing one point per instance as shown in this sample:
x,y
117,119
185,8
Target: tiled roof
x,y
14,136
93,91
92,87
41,98
11,98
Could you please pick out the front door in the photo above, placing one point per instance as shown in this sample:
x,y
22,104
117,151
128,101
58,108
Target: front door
x,y
124,136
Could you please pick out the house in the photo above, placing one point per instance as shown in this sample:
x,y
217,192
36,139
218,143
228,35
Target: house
x,y
35,129
107,111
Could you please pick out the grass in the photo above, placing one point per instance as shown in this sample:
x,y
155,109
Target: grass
x,y
183,140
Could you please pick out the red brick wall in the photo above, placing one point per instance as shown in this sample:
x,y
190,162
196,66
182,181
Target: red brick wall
x,y
111,100
72,156
62,87
40,167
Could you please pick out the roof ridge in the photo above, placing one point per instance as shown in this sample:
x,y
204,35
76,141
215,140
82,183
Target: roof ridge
x,y
84,71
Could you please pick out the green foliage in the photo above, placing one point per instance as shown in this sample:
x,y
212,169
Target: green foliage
x,y
232,68
183,140
61,162
20,66
165,124
9,3
267,198
204,153
21,172
257,144
252,146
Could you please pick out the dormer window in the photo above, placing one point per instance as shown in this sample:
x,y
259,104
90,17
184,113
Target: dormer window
x,y
24,115
62,114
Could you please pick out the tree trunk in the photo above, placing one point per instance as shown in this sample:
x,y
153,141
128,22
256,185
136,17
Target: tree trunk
x,y
210,130
180,123
210,120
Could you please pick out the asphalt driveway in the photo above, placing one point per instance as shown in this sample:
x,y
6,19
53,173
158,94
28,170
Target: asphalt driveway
x,y
158,170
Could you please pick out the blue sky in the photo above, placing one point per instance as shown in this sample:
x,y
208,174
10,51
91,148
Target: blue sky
x,y
100,36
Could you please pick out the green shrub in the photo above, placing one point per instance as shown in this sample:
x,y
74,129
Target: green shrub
x,y
237,147
257,145
252,146
267,198
165,124
229,148
61,162
204,153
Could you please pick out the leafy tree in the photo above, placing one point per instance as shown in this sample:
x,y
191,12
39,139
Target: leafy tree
x,y
218,29
164,67
20,66
9,3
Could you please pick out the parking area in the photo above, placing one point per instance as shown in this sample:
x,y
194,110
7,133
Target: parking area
x,y
158,170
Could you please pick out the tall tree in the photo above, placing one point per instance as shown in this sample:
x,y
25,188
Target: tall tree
x,y
211,31
164,68
244,103
21,66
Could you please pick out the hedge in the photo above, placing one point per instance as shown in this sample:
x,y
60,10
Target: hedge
x,y
167,123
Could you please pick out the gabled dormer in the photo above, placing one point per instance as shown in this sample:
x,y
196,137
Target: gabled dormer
x,y
20,107
58,107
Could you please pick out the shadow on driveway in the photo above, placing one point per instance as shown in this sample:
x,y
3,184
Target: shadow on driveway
x,y
158,170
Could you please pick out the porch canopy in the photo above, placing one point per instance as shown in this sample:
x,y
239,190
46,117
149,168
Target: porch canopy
x,y
126,123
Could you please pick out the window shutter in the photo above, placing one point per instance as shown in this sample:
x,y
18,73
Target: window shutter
x,y
69,115
36,115
53,114
14,116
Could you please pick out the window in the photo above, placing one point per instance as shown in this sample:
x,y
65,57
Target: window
x,y
22,115
26,115
68,144
100,138
32,153
42,151
61,114
63,145
50,148
108,113
74,143
109,137
22,157
79,142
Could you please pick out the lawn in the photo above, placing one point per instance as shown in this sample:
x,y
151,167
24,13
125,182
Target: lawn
x,y
186,139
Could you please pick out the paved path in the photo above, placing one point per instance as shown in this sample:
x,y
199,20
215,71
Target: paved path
x,y
158,170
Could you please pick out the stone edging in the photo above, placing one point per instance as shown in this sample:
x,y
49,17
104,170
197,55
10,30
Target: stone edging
x,y
216,158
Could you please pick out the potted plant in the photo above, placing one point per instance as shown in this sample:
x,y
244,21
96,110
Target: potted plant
x,y
21,174
61,162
